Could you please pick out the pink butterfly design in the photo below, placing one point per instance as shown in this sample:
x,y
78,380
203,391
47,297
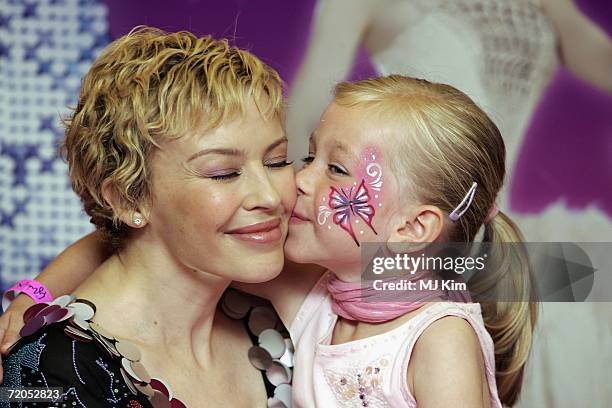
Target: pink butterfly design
x,y
353,201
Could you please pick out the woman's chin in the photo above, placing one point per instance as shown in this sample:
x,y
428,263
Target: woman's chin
x,y
262,271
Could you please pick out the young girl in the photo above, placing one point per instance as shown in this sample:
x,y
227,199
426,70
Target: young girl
x,y
425,165
395,160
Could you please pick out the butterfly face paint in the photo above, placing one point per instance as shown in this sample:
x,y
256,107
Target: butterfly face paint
x,y
350,204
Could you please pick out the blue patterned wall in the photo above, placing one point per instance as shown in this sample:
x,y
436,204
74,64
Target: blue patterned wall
x,y
45,49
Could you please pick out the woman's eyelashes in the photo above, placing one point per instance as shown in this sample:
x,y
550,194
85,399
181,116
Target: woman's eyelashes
x,y
224,176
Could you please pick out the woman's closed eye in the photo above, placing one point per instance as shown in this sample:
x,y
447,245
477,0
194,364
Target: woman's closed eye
x,y
224,176
229,175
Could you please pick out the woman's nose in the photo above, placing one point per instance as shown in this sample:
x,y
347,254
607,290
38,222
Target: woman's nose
x,y
264,194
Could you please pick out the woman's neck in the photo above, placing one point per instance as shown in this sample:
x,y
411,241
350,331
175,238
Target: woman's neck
x,y
147,296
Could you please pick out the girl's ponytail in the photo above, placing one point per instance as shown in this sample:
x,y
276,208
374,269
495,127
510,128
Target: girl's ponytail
x,y
510,323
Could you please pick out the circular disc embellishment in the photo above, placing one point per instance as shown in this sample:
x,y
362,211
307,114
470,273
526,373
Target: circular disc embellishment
x,y
278,374
31,327
236,303
82,311
63,300
262,318
260,358
273,342
32,311
128,350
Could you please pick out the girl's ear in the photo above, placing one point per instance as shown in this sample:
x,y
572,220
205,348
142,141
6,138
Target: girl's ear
x,y
134,219
416,229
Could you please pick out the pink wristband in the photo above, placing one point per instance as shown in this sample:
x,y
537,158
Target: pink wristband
x,y
36,290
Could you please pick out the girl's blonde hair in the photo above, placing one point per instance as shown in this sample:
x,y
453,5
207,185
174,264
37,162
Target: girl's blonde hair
x,y
454,144
147,87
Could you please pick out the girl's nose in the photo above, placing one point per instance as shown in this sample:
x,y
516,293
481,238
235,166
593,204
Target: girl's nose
x,y
303,180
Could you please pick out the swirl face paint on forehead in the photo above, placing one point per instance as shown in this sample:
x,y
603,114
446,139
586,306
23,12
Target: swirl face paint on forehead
x,y
370,170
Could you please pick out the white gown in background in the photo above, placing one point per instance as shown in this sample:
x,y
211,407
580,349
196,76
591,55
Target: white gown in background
x,y
503,55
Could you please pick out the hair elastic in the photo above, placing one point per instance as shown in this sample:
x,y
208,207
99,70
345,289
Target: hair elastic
x,y
492,213
464,204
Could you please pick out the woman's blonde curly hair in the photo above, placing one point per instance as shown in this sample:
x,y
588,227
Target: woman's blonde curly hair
x,y
147,87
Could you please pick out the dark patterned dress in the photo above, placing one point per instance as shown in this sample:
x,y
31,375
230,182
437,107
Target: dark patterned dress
x,y
62,347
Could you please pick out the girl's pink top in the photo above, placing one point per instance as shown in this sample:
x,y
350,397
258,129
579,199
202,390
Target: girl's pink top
x,y
370,372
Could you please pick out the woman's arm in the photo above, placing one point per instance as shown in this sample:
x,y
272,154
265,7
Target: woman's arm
x,y
287,291
63,275
586,50
70,268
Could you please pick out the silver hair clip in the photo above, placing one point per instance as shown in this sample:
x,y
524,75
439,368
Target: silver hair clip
x,y
464,204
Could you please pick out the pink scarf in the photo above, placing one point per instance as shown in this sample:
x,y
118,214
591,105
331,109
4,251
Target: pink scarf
x,y
361,302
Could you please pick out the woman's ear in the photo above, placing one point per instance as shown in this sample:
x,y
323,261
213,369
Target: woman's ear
x,y
134,219
416,229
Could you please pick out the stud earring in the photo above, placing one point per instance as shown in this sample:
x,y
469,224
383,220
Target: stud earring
x,y
137,221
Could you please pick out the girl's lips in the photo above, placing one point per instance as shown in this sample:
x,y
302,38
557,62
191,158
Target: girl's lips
x,y
297,220
296,217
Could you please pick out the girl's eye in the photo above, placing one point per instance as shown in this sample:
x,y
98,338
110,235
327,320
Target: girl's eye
x,y
222,177
281,164
307,160
337,170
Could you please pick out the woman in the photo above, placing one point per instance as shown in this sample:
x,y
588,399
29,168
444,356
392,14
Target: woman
x,y
177,151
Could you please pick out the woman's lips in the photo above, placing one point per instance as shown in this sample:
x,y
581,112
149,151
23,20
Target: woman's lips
x,y
263,232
